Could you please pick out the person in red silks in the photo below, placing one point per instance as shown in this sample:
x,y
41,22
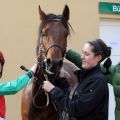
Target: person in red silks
x,y
12,87
2,98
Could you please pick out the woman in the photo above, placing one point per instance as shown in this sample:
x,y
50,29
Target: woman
x,y
90,98
12,87
111,72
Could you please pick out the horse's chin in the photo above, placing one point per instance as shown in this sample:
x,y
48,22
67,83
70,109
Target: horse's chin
x,y
53,67
53,70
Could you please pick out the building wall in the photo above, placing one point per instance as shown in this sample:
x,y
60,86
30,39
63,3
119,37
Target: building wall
x,y
19,22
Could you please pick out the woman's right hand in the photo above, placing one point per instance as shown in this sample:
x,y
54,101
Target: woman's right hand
x,y
47,86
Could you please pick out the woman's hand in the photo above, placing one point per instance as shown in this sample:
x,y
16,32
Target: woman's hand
x,y
47,86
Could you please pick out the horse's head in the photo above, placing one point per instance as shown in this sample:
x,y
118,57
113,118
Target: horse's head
x,y
52,39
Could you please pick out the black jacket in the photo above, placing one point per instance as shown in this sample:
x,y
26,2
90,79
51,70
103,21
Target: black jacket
x,y
90,99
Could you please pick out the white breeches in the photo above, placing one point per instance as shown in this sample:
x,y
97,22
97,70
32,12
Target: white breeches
x,y
2,118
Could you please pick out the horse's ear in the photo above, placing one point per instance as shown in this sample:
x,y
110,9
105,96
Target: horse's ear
x,y
41,13
65,13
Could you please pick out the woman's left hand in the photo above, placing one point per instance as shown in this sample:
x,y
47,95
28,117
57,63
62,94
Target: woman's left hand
x,y
47,86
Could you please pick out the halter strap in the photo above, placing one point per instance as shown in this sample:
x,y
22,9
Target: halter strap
x,y
55,45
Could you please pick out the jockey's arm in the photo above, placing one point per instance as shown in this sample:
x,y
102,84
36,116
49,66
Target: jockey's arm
x,y
16,85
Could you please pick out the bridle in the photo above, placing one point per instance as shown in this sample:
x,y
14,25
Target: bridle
x,y
42,47
43,64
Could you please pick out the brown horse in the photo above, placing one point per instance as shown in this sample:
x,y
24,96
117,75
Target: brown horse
x,y
51,48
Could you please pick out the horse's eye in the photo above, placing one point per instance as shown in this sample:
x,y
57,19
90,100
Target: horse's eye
x,y
43,34
66,34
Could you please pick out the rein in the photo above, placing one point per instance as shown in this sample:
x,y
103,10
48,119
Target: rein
x,y
47,96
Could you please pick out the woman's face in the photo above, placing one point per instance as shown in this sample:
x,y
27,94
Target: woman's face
x,y
89,60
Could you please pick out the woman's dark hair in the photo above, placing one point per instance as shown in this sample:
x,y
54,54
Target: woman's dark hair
x,y
100,48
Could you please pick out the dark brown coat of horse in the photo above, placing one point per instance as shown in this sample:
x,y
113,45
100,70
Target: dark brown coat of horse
x,y
51,48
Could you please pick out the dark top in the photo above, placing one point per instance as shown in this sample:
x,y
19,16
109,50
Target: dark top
x,y
90,99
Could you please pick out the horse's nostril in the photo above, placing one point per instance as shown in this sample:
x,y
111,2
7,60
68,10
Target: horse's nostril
x,y
48,61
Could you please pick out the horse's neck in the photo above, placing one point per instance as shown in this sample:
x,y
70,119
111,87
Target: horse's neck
x,y
67,71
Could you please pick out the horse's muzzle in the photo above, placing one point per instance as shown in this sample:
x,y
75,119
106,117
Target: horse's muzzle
x,y
53,66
